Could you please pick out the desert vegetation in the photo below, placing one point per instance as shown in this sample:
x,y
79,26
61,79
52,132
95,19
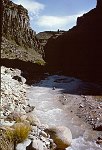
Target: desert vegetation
x,y
11,136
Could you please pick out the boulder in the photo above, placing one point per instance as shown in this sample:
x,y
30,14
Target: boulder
x,y
22,146
32,118
37,144
18,78
61,136
98,127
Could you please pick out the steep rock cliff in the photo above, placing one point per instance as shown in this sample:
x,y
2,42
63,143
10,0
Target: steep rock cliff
x,y
20,47
18,39
78,52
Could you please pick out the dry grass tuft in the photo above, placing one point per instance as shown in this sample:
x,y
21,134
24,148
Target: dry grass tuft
x,y
10,137
21,132
6,142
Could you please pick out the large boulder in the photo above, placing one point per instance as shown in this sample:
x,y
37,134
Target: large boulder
x,y
22,146
37,144
61,135
32,118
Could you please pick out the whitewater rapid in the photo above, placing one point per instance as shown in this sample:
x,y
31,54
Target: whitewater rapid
x,y
45,96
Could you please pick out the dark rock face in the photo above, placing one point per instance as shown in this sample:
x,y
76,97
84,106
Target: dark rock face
x,y
78,51
16,29
32,72
99,4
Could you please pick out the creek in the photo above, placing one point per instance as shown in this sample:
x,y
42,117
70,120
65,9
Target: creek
x,y
46,97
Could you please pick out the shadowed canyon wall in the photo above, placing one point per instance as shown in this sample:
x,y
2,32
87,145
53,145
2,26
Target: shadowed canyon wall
x,y
20,47
78,52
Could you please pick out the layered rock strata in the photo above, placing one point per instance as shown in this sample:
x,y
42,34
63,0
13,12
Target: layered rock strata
x,y
16,30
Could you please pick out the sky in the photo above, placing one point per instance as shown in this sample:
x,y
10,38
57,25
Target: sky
x,y
51,15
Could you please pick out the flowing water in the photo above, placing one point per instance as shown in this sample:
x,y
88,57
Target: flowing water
x,y
45,96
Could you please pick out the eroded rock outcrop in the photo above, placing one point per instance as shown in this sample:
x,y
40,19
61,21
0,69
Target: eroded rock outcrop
x,y
13,93
78,52
20,47
18,39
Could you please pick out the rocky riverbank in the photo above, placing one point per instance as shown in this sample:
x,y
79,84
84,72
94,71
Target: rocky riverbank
x,y
20,128
16,111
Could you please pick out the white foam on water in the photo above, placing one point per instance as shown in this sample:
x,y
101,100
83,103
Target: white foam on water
x,y
81,144
50,111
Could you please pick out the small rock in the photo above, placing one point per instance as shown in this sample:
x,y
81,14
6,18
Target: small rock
x,y
34,128
98,107
53,88
17,78
98,127
31,137
1,108
44,134
99,140
65,99
81,106
43,126
29,109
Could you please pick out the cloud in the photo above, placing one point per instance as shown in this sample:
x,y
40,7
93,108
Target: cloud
x,y
57,22
46,22
32,6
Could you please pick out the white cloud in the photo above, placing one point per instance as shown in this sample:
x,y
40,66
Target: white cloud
x,y
47,22
32,6
57,22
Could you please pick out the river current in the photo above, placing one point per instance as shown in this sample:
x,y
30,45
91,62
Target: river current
x,y
46,95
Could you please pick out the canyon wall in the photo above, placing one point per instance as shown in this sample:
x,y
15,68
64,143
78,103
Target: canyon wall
x,y
78,52
17,35
20,47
